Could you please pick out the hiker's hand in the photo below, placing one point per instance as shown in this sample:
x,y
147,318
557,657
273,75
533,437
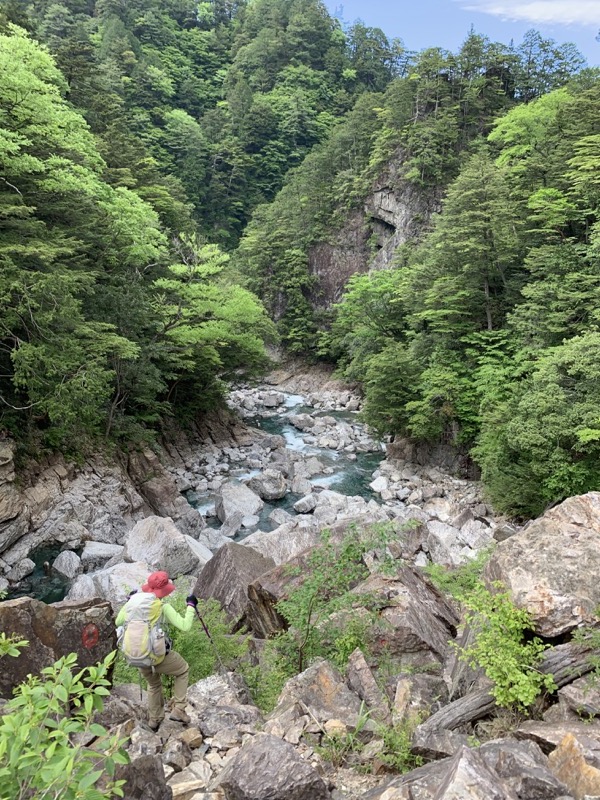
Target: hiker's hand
x,y
192,600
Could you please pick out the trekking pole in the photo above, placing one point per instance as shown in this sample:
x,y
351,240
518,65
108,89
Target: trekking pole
x,y
211,640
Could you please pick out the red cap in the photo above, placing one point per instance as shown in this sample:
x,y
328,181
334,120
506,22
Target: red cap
x,y
159,583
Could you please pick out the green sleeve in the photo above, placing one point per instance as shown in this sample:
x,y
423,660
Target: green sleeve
x,y
120,616
173,618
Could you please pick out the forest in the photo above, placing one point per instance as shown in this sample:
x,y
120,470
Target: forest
x,y
167,166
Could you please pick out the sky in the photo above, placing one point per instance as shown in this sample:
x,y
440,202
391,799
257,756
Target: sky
x,y
446,23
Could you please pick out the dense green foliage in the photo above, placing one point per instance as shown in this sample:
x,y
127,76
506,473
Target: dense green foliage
x,y
161,160
434,109
108,318
38,759
485,335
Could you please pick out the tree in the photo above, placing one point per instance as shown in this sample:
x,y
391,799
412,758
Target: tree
x,y
468,273
208,329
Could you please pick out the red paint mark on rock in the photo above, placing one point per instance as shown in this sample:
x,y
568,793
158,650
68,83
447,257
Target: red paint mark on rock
x,y
90,636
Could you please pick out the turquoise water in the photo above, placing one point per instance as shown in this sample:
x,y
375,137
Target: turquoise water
x,y
50,587
350,477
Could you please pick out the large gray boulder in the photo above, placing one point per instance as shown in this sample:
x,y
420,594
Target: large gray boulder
x,y
323,692
96,554
160,544
144,779
112,584
469,778
227,575
67,564
267,768
54,631
413,617
524,767
269,484
285,542
234,498
551,567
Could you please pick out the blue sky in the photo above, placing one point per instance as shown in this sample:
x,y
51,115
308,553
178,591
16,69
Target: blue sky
x,y
445,23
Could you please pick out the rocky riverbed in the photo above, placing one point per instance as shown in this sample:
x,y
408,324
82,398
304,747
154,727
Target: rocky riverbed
x,y
295,465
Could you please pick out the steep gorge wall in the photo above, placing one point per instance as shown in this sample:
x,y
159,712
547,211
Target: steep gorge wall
x,y
394,212
53,500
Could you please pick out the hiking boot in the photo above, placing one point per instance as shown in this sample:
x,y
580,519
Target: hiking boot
x,y
179,715
154,724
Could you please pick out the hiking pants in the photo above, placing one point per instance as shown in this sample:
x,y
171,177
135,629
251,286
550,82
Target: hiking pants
x,y
172,664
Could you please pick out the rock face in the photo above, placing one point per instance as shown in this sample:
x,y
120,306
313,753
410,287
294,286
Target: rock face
x,y
551,567
394,212
283,775
227,575
54,631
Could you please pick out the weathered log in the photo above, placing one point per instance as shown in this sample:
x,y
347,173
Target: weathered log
x,y
466,709
565,662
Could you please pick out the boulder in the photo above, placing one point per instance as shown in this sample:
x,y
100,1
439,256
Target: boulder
x,y
237,719
82,588
227,575
279,516
67,564
469,778
548,735
571,766
115,583
201,550
235,498
306,504
433,745
21,570
268,485
53,631
160,544
228,690
144,779
444,544
268,589
267,767
362,681
285,542
321,690
582,696
416,696
524,768
414,616
418,784
96,554
551,566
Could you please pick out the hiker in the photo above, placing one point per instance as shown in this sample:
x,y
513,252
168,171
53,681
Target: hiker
x,y
154,656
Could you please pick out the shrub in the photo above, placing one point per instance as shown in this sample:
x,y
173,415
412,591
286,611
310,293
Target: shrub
x,y
38,759
503,650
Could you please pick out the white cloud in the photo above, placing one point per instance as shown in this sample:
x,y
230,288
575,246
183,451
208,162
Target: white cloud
x,y
550,12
